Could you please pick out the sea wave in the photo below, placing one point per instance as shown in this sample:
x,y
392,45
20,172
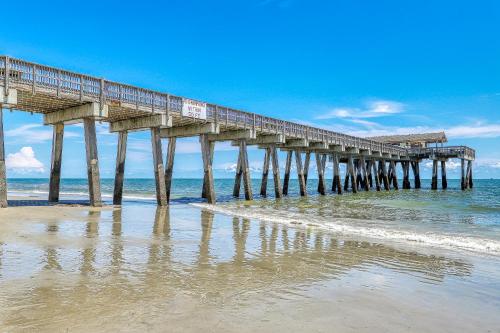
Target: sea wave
x,y
82,194
456,242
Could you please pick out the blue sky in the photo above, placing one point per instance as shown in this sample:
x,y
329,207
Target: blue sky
x,y
362,67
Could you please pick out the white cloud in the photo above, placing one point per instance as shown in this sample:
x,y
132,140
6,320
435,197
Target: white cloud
x,y
450,165
478,130
24,161
373,109
254,166
34,133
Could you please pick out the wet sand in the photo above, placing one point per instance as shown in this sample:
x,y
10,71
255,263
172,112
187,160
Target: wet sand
x,y
185,269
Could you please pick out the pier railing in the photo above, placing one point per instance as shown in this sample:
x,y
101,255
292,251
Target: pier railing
x,y
444,152
61,83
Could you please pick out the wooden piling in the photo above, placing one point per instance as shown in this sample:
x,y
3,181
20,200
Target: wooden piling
x,y
415,165
364,173
3,170
207,156
347,177
354,185
369,175
434,183
406,175
323,166
121,152
288,166
336,184
307,161
92,162
158,167
321,170
462,169
468,174
265,172
276,172
238,175
55,165
471,183
300,173
376,175
169,167
444,181
204,187
247,182
394,175
357,172
385,178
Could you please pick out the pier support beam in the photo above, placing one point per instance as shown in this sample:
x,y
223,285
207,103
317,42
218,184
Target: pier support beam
x,y
320,166
92,162
307,161
364,172
265,172
385,178
394,175
288,166
416,173
169,167
352,173
369,173
276,172
300,173
468,175
207,156
211,155
444,181
243,170
55,165
323,165
434,183
406,175
470,182
237,176
462,169
336,184
376,175
159,169
121,153
247,182
347,177
3,171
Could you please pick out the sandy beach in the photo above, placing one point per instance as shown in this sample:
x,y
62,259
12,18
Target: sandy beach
x,y
186,269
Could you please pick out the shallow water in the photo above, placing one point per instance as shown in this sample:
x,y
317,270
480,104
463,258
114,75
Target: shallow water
x,y
452,219
186,269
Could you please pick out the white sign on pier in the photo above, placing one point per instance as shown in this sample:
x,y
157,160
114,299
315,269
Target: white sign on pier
x,y
194,109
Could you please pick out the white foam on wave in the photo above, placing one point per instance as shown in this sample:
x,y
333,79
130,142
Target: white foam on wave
x,y
80,194
456,242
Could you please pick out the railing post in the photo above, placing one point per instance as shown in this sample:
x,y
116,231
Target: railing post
x,y
7,76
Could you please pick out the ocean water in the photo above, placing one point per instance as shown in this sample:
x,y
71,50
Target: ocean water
x,y
405,261
451,219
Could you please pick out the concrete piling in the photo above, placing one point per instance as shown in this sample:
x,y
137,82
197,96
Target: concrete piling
x,y
92,162
120,167
55,165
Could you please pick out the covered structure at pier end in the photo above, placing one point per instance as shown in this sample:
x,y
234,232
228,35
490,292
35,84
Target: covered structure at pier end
x,y
430,146
65,97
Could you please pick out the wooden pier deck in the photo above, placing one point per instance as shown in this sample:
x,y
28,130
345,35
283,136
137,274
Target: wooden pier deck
x,y
64,97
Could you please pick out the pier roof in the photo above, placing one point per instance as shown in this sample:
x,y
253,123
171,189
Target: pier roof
x,y
411,139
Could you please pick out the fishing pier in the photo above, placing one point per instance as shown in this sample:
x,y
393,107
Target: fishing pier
x,y
64,97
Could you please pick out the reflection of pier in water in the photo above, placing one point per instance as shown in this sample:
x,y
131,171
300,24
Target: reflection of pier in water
x,y
279,254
